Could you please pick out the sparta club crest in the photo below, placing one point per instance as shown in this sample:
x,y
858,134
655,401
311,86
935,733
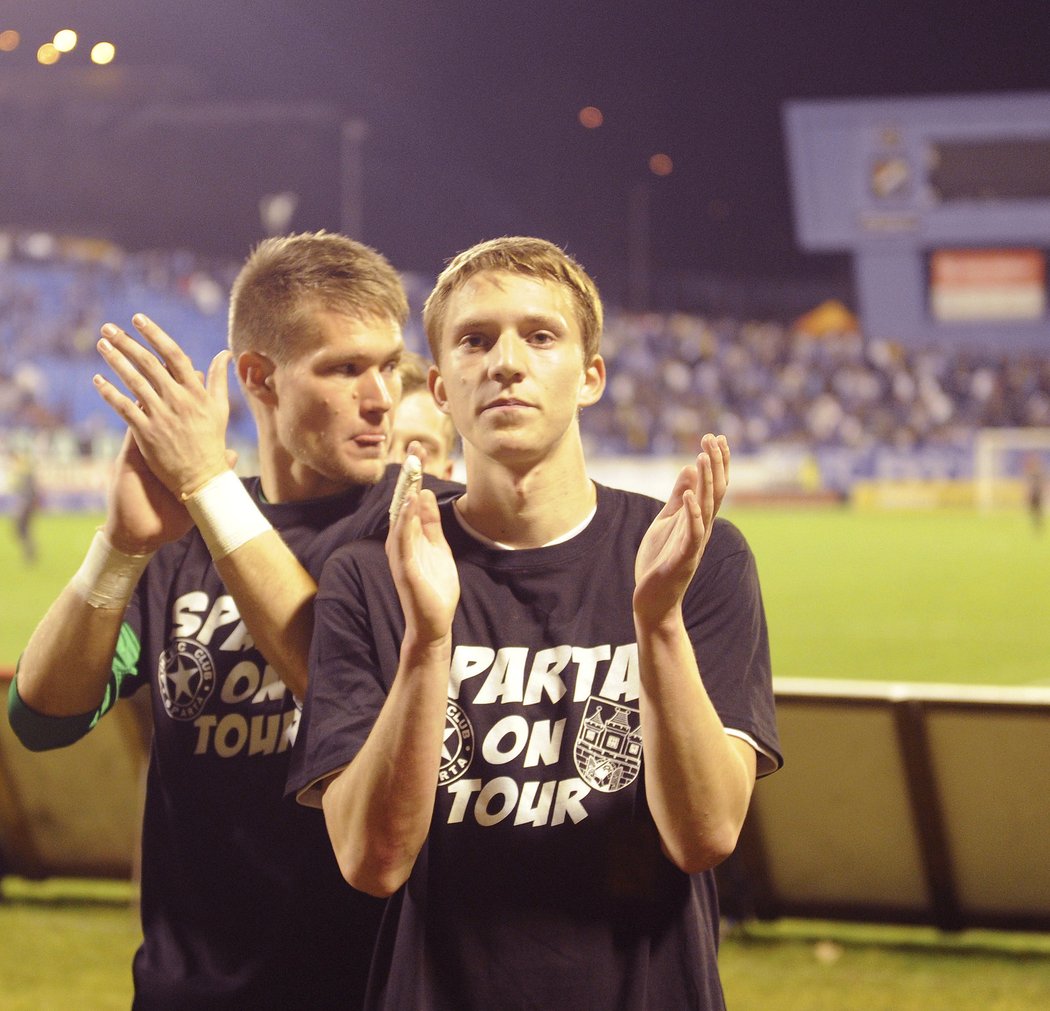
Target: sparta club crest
x,y
186,675
457,749
608,749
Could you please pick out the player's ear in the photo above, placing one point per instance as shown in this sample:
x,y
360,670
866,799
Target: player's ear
x,y
256,373
437,389
592,383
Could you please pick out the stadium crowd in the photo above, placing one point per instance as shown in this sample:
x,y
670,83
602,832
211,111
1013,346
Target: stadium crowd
x,y
763,383
768,383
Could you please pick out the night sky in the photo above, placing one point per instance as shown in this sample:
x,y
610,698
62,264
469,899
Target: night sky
x,y
472,112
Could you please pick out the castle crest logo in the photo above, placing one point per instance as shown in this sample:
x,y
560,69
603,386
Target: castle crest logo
x,y
186,675
608,749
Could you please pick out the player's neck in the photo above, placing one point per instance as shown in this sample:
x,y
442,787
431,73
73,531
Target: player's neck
x,y
527,507
282,480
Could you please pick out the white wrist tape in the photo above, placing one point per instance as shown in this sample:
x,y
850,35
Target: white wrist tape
x,y
107,576
225,514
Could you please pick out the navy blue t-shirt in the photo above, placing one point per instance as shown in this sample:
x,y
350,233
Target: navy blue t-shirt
x,y
243,905
542,882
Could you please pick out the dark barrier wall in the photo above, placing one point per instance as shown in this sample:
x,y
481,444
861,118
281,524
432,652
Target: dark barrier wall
x,y
902,803
75,811
897,803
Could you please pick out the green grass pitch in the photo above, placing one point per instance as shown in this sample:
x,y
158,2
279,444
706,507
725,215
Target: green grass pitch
x,y
949,596
27,590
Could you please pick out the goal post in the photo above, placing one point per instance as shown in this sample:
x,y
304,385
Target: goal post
x,y
1002,463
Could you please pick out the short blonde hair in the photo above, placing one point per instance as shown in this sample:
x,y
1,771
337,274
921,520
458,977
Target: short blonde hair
x,y
288,277
518,254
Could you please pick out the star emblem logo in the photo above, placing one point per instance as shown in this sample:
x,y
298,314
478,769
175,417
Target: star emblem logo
x,y
186,677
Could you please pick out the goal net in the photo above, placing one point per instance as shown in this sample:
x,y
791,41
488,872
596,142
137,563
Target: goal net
x,y
1006,461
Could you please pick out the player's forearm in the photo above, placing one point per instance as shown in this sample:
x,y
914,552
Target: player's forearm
x,y
65,668
66,665
378,810
698,782
275,597
273,591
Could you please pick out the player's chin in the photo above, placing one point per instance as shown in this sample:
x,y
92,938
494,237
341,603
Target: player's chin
x,y
368,471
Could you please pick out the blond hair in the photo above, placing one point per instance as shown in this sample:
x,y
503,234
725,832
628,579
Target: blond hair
x,y
287,278
518,254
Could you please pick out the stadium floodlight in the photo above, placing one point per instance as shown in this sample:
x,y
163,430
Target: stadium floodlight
x,y
65,41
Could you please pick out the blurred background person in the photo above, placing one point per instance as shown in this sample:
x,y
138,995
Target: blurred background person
x,y
27,498
1035,489
418,417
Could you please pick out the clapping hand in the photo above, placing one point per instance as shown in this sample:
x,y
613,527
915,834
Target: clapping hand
x,y
673,545
422,565
177,418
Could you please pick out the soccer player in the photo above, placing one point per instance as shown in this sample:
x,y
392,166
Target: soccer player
x,y
242,902
419,419
539,730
